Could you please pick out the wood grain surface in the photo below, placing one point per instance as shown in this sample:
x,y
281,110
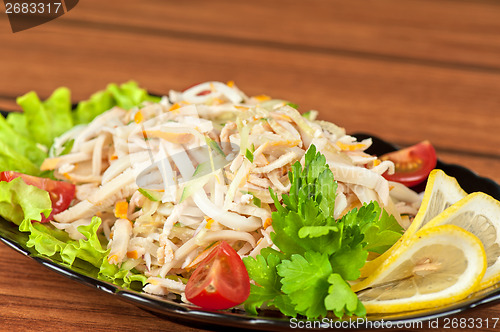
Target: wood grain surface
x,y
403,70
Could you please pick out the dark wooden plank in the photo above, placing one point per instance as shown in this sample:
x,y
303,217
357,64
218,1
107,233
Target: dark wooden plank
x,y
31,294
402,70
439,33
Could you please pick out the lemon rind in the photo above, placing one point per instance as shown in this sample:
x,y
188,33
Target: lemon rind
x,y
474,252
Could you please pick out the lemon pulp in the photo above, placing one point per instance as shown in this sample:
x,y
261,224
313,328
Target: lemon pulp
x,y
441,192
438,266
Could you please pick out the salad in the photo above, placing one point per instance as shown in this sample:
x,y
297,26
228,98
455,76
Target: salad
x,y
207,195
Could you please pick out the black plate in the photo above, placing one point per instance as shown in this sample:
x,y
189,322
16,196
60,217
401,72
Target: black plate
x,y
268,320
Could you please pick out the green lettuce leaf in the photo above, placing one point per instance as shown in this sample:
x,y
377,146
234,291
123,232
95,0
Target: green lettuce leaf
x,y
126,96
58,106
98,103
49,241
47,120
17,121
21,136
25,138
21,203
119,275
20,143
12,160
129,95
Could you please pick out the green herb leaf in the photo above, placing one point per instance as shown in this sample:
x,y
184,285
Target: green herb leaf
x,y
310,115
316,231
152,195
256,201
305,281
348,261
67,146
214,146
263,271
318,253
249,155
341,299
380,229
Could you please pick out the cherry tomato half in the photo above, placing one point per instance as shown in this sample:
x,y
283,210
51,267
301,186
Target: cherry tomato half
x,y
61,193
412,164
220,281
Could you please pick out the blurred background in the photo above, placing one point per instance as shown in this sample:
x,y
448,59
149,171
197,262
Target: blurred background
x,y
403,70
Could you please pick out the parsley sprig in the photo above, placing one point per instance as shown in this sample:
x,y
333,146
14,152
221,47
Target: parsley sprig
x,y
317,253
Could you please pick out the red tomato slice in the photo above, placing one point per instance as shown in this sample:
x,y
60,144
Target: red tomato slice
x,y
412,164
61,193
220,281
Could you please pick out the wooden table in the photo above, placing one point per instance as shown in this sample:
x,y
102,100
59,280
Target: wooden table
x,y
400,69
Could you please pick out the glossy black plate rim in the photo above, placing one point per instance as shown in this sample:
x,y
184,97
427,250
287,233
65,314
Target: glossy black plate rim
x,y
217,320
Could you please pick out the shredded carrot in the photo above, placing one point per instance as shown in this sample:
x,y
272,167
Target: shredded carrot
x,y
174,107
132,254
350,147
289,143
113,157
268,222
67,176
138,117
261,97
376,162
217,101
230,84
210,221
153,281
121,210
113,259
279,116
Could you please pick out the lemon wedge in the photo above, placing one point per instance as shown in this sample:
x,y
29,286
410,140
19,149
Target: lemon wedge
x,y
437,266
479,214
441,192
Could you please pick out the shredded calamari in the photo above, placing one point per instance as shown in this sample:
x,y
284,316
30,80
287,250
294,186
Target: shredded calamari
x,y
171,178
